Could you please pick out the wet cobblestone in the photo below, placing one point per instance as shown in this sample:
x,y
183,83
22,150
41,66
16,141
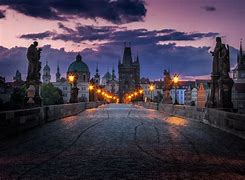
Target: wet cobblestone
x,y
123,142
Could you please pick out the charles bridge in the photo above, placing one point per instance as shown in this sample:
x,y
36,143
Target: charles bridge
x,y
94,140
121,141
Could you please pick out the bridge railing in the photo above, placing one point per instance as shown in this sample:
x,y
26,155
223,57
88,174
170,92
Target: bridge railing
x,y
227,121
12,122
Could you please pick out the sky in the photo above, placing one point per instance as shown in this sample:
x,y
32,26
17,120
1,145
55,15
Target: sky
x,y
166,34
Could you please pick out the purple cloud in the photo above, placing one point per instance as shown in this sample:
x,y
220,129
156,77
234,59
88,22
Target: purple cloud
x,y
118,12
209,8
116,34
2,14
43,35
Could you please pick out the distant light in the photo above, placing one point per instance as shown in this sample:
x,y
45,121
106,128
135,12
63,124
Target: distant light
x,y
71,78
176,79
91,87
151,87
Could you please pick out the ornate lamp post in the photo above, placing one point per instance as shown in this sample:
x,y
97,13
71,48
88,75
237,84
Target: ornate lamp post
x,y
72,80
151,88
91,92
141,91
175,81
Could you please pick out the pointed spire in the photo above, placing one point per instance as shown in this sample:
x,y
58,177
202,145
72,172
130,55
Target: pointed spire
x,y
58,73
137,58
241,52
113,73
58,67
97,69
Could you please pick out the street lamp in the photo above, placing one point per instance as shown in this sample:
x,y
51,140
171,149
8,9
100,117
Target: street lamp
x,y
91,87
98,91
91,92
141,91
151,88
175,80
72,80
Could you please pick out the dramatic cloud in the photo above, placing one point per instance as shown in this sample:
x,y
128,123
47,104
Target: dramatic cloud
x,y
2,14
43,35
154,58
154,53
116,34
209,8
118,12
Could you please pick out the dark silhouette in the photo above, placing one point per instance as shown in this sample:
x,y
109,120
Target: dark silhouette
x,y
221,83
33,75
34,65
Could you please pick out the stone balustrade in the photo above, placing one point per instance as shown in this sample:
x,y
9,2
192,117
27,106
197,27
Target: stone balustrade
x,y
227,121
16,121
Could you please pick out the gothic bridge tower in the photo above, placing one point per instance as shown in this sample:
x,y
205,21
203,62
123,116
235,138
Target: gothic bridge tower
x,y
129,72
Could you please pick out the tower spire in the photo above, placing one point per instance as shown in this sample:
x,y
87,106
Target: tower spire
x,y
241,52
113,72
58,73
97,69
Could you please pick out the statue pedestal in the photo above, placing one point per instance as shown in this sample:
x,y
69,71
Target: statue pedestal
x,y
225,88
213,97
166,97
35,99
74,95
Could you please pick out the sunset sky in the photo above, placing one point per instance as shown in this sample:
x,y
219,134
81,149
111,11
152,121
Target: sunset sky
x,y
166,34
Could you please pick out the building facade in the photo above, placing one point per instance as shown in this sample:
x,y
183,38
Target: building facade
x,y
78,68
129,73
46,74
238,90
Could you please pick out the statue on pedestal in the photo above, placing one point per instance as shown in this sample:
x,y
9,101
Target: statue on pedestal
x,y
34,67
167,87
221,83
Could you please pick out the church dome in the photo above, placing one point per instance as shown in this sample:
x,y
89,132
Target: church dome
x,y
78,66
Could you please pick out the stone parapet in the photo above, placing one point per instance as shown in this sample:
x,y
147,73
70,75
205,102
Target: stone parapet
x,y
233,123
13,122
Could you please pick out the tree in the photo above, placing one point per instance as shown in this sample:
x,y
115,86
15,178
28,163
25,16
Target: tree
x,y
17,98
51,95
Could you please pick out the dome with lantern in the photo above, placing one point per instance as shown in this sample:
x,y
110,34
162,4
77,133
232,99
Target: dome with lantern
x,y
79,69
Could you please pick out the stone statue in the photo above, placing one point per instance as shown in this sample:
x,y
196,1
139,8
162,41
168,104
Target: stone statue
x,y
221,83
33,75
34,65
167,80
167,87
221,60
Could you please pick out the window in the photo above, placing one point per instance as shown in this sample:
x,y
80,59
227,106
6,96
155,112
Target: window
x,y
84,77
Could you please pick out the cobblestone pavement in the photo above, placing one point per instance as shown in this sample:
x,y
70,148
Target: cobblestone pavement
x,y
120,141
